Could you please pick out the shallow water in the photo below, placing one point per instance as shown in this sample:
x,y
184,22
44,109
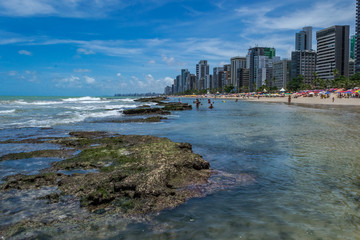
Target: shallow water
x,y
305,161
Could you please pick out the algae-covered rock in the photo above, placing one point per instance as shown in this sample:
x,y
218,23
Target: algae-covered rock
x,y
137,120
151,99
136,174
144,111
175,106
62,153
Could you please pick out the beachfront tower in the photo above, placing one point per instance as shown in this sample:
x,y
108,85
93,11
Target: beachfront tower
x,y
303,63
357,45
258,60
237,63
202,71
281,74
303,39
332,52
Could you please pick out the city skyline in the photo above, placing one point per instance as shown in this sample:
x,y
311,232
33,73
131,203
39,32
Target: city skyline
x,y
92,48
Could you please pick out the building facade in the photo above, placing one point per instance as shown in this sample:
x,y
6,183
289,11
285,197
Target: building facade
x,y
357,44
227,75
257,61
332,52
217,75
202,70
244,79
352,46
281,74
236,64
303,39
303,63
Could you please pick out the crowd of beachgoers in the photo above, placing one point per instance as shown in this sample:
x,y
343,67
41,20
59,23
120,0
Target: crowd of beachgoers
x,y
318,96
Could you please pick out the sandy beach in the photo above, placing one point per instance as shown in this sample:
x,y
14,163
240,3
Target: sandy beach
x,y
308,100
300,100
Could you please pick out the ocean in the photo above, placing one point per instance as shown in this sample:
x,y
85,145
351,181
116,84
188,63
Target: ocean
x,y
304,159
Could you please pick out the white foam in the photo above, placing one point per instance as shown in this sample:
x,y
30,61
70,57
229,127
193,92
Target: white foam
x,y
7,111
81,99
126,100
75,118
21,102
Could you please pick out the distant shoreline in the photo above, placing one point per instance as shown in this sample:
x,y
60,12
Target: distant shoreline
x,y
315,100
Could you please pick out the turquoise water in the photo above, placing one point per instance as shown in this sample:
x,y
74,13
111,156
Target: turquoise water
x,y
305,161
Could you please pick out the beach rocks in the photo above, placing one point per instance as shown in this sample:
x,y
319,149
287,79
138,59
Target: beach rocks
x,y
176,106
41,153
140,120
151,99
145,111
136,174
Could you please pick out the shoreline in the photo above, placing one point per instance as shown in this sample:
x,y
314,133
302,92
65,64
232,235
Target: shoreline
x,y
316,100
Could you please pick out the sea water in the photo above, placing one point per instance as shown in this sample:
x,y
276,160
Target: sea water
x,y
304,159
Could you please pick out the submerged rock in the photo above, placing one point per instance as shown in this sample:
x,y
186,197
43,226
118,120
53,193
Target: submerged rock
x,y
62,153
144,111
137,174
151,99
137,120
176,106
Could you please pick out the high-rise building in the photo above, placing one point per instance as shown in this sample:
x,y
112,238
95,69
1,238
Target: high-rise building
x,y
257,63
332,52
236,64
217,77
303,63
352,47
281,73
244,79
227,75
303,39
202,70
351,67
184,84
167,90
357,44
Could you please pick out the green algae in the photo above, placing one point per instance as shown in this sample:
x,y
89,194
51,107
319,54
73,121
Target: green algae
x,y
40,153
136,174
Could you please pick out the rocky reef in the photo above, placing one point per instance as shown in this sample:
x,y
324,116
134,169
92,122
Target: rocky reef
x,y
135,174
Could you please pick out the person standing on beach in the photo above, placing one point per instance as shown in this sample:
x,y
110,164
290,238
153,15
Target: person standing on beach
x,y
289,99
333,99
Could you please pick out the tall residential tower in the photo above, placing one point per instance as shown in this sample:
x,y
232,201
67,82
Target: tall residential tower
x,y
332,52
303,39
357,45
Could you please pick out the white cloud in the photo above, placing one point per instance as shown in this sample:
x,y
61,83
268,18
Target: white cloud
x,y
151,62
320,14
89,80
118,74
25,8
151,84
24,52
12,73
30,76
81,70
68,82
168,60
85,51
61,8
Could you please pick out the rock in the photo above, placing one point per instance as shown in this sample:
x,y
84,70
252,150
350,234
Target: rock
x,y
136,174
138,120
174,106
151,99
145,111
62,153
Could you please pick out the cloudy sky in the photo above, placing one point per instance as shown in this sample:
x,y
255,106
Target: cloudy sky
x,y
102,47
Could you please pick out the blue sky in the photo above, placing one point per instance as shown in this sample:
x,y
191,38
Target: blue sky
x,y
102,47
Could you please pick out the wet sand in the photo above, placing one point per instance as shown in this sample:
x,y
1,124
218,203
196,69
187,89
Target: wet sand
x,y
305,100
